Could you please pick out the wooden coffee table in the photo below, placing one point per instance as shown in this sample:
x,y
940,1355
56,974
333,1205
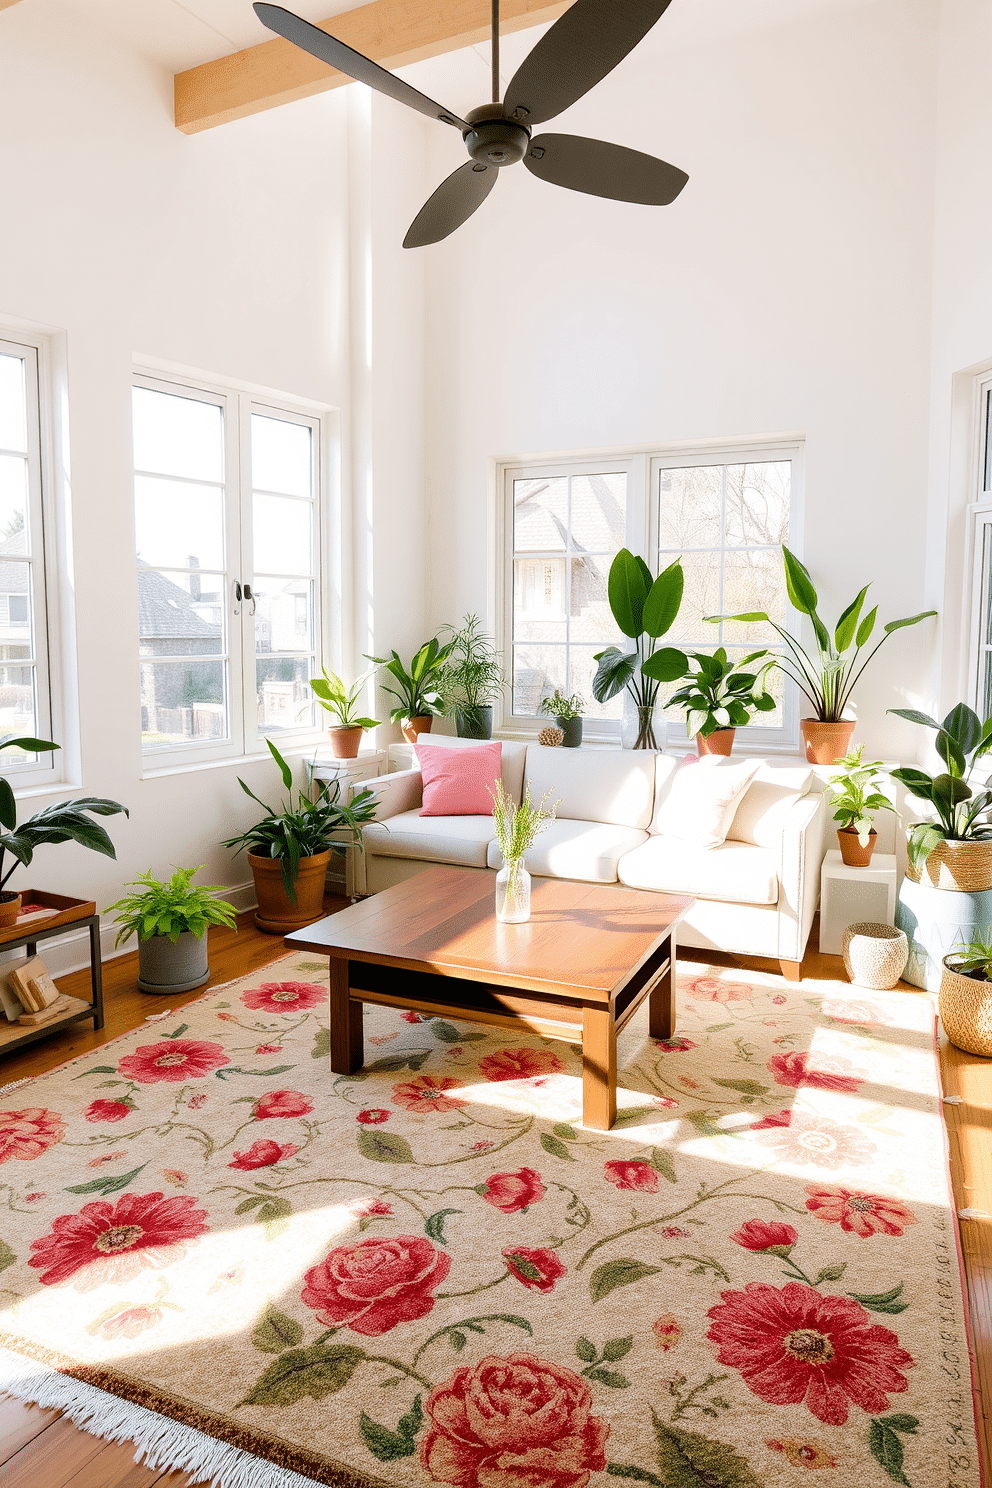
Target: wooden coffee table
x,y
577,970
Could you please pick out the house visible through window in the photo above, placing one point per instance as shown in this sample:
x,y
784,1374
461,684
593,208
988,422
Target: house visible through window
x,y
226,513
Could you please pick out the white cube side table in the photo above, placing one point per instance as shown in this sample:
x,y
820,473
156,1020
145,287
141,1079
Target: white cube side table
x,y
350,774
848,895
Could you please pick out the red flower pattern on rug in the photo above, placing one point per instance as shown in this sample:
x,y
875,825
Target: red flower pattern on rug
x,y
428,1093
537,1269
372,1285
115,1242
28,1133
262,1154
173,1060
830,1072
863,1214
793,1345
282,1103
513,1422
521,1064
802,1138
284,997
761,1234
512,1192
373,1117
637,1175
714,989
107,1110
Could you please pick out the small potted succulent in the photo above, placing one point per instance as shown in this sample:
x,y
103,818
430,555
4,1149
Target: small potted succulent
x,y
567,714
515,828
720,696
290,848
965,998
170,920
955,851
471,678
855,793
417,691
341,702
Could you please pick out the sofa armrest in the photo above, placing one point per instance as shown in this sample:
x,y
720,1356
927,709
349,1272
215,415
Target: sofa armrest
x,y
799,874
402,790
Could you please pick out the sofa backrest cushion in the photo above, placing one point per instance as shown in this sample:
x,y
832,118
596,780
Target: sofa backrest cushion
x,y
599,785
761,814
511,767
458,782
702,799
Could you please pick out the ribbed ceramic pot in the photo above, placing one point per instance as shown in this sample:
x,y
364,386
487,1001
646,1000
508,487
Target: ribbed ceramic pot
x,y
276,913
166,967
826,742
966,1011
964,866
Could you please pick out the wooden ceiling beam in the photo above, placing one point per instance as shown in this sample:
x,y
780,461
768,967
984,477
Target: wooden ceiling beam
x,y
393,33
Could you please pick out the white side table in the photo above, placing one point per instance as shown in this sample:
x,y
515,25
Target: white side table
x,y
350,774
849,895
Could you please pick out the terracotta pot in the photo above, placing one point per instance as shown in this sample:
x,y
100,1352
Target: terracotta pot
x,y
411,727
826,742
346,742
854,855
721,741
962,866
276,913
966,1011
10,908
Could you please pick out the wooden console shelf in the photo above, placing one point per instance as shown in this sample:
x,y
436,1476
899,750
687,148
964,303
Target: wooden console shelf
x,y
67,916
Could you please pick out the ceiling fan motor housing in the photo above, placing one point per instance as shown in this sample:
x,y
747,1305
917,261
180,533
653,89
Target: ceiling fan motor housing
x,y
495,139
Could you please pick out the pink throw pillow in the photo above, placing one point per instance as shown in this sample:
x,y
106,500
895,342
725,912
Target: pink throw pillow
x,y
457,781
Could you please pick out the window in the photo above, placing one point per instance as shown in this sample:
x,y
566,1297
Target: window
x,y
725,511
981,669
25,689
226,492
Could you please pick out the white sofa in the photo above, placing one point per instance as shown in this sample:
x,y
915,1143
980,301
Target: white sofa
x,y
756,894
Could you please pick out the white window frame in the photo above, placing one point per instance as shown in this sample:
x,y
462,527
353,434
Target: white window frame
x,y
978,558
641,465
47,770
246,739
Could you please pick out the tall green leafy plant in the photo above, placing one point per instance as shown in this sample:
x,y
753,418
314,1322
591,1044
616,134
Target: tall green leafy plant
x,y
418,691
962,811
645,608
828,676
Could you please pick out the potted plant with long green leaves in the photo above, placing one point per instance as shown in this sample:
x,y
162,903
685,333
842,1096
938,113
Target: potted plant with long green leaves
x,y
66,821
170,919
645,609
472,676
955,851
341,701
855,792
720,697
290,848
828,676
567,714
418,690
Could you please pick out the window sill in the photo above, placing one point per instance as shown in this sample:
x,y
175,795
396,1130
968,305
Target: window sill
x,y
229,761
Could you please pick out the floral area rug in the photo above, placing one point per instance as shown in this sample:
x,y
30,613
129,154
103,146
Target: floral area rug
x,y
430,1273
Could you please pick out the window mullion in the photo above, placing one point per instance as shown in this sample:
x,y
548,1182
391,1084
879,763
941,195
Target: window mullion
x,y
243,626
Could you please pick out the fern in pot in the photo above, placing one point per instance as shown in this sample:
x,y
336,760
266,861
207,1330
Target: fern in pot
x,y
171,920
516,827
472,677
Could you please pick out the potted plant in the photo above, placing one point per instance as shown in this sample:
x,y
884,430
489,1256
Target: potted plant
x,y
828,677
341,702
720,697
66,821
170,920
471,677
645,609
965,998
567,714
955,851
854,791
516,828
418,690
289,849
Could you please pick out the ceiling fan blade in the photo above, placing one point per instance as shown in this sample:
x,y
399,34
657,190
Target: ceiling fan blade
x,y
601,169
328,49
582,46
453,203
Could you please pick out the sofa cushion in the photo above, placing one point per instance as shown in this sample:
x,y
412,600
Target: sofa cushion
x,y
761,814
458,782
585,850
615,786
511,767
735,871
700,804
459,840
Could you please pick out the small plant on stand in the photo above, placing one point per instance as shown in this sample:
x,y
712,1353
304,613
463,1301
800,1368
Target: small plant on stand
x,y
567,714
472,677
516,827
171,920
855,793
720,697
341,702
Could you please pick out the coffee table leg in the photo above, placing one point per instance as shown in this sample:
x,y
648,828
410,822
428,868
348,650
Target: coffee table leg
x,y
599,1069
661,1002
347,1041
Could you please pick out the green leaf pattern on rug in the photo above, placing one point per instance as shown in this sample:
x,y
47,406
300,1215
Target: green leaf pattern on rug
x,y
7,1255
276,1332
613,1274
384,1147
688,1460
388,1445
320,1370
885,1446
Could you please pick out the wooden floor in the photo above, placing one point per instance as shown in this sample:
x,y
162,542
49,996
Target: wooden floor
x,y
40,1449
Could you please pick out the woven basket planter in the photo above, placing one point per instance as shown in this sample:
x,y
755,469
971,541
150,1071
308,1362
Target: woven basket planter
x,y
966,1011
875,955
965,866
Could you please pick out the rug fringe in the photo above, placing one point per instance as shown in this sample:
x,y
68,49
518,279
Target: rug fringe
x,y
158,1442
14,1085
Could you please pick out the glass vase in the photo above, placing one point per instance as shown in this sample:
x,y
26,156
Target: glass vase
x,y
513,893
643,727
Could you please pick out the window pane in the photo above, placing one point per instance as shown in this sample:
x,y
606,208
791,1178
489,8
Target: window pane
x,y
987,481
178,525
537,671
590,614
700,597
282,534
689,507
599,513
17,706
180,614
758,502
280,456
174,435
540,515
183,702
13,405
285,698
283,614
13,503
539,599
582,669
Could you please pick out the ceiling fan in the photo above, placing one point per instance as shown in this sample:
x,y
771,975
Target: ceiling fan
x,y
582,46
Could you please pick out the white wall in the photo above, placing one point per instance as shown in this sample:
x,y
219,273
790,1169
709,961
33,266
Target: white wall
x,y
788,288
243,251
